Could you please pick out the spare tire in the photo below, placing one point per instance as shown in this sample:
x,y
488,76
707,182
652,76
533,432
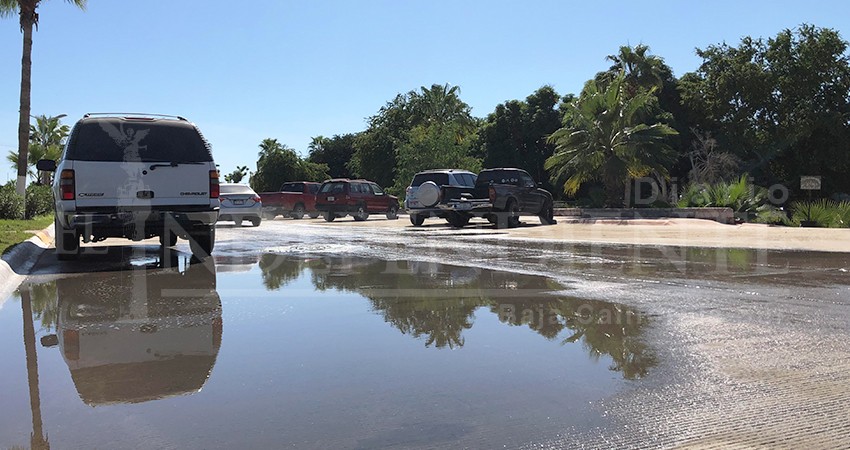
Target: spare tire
x,y
428,194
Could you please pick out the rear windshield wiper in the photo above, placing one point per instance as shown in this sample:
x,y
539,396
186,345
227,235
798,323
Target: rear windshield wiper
x,y
173,164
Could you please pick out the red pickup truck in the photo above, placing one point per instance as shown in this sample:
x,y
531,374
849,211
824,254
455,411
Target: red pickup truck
x,y
294,200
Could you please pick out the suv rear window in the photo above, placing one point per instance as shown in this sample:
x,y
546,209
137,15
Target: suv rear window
x,y
119,140
440,179
333,188
500,177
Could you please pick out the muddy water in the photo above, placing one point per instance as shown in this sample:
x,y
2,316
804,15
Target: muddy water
x,y
276,351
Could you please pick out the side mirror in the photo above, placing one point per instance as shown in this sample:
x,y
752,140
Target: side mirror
x,y
51,340
46,165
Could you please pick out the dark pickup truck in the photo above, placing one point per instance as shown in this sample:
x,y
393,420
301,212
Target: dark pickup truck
x,y
501,196
294,200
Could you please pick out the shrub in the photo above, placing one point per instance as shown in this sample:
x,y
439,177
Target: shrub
x,y
11,205
742,196
822,213
39,200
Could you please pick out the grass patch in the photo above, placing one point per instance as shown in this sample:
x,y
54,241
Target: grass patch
x,y
16,231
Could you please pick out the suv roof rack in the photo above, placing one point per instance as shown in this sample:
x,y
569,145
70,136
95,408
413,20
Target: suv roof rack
x,y
135,115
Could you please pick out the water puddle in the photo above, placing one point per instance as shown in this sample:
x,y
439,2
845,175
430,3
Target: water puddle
x,y
334,352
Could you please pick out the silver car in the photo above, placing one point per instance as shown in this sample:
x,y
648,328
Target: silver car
x,y
423,194
239,202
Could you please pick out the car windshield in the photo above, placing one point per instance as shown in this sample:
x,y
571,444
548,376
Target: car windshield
x,y
438,178
117,140
236,189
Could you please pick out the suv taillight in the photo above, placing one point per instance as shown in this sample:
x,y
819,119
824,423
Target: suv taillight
x,y
492,192
215,189
66,184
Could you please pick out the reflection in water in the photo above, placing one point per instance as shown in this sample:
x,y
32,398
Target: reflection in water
x,y
437,302
141,335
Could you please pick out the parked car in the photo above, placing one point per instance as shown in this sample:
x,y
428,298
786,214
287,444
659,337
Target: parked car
x,y
423,194
340,197
500,196
239,202
294,200
136,177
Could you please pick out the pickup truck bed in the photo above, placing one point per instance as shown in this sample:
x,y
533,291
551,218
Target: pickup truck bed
x,y
295,199
500,196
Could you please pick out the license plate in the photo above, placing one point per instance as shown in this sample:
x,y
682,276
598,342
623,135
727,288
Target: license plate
x,y
238,202
330,199
463,206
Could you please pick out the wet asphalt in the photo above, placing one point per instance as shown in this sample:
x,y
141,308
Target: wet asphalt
x,y
304,335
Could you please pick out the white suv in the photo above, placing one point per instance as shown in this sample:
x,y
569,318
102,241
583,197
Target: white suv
x,y
135,176
423,194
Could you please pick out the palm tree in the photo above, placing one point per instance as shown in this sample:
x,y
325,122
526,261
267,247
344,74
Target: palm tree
x,y
26,10
641,71
441,105
606,138
46,139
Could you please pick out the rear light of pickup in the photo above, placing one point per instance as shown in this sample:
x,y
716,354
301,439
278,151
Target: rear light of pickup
x,y
67,185
215,188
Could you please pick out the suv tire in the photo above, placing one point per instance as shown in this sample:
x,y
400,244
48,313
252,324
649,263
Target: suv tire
x,y
392,212
67,243
417,219
458,220
168,238
329,216
361,214
202,241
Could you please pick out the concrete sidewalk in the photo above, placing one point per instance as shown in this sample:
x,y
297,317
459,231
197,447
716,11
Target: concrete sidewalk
x,y
16,264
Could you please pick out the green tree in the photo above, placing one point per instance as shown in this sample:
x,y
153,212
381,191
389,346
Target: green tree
x,y
432,147
278,164
335,151
612,138
514,135
237,175
375,150
781,105
28,19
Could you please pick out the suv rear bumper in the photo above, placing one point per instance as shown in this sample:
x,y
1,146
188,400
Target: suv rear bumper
x,y
153,222
327,207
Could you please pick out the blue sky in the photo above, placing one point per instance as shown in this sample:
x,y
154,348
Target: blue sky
x,y
293,70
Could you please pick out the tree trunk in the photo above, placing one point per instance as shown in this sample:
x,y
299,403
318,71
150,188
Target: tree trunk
x,y
27,20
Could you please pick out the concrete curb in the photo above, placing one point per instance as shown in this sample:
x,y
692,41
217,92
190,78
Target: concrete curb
x,y
17,263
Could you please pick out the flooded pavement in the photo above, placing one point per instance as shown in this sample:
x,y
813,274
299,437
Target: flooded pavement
x,y
305,336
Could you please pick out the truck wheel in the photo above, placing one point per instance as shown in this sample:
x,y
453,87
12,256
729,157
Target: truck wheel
x,y
417,219
547,215
392,212
167,238
458,220
298,212
313,215
509,218
361,214
202,241
67,242
329,216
